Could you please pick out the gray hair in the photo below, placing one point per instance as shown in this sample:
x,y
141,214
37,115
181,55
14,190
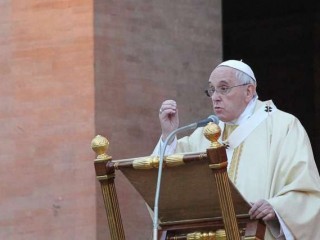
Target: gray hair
x,y
244,78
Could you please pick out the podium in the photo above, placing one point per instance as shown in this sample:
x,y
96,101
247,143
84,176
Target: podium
x,y
197,199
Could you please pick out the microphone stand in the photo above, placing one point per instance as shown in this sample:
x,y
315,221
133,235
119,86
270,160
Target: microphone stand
x,y
201,123
162,152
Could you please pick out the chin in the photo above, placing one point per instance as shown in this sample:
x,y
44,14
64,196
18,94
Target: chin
x,y
223,118
219,115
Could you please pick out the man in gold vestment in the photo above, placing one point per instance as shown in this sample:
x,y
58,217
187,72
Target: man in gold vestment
x,y
270,159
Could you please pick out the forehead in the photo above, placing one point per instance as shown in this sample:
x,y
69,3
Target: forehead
x,y
223,75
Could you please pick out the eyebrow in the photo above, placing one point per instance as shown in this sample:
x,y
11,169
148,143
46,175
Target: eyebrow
x,y
220,83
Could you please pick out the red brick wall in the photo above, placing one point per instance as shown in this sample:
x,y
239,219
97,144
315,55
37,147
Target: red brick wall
x,y
47,186
146,52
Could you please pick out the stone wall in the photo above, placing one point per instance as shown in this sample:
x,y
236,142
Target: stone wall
x,y
146,52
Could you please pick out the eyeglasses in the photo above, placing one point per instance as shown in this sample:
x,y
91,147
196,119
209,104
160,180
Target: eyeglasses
x,y
224,90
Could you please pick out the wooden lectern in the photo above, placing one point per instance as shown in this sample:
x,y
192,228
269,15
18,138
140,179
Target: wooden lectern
x,y
197,200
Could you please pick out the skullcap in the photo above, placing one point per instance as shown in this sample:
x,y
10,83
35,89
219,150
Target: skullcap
x,y
239,65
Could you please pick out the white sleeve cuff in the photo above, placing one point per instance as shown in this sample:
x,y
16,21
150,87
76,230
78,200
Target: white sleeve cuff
x,y
170,149
283,232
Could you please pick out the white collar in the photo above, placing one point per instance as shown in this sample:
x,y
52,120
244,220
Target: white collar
x,y
246,113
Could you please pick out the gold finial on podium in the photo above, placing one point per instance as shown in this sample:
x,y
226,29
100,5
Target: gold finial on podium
x,y
212,132
100,145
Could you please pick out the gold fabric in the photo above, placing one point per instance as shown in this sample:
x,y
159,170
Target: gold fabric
x,y
228,129
233,169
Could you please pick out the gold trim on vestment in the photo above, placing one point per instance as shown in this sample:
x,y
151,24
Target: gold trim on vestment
x,y
234,165
234,161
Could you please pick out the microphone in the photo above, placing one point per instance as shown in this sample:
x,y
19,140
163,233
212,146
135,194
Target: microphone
x,y
204,122
201,123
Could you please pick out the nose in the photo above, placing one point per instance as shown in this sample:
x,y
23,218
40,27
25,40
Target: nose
x,y
216,96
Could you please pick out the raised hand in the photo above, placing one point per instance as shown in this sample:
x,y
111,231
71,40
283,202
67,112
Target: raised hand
x,y
169,119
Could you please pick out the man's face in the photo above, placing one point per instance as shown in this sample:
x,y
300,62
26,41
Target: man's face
x,y
229,107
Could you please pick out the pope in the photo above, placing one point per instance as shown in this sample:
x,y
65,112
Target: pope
x,y
270,158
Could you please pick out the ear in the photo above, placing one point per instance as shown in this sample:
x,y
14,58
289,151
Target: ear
x,y
251,89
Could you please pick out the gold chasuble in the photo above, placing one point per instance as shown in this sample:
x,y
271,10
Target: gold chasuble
x,y
274,162
233,169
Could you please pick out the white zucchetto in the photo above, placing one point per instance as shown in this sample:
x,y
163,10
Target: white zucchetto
x,y
239,65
